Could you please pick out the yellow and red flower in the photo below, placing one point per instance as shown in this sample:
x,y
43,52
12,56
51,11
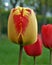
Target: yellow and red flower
x,y
22,24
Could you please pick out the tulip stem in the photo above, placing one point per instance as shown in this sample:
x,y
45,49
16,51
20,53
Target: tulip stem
x,y
20,55
34,59
50,56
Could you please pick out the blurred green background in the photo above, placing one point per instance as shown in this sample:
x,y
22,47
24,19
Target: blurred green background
x,y
9,52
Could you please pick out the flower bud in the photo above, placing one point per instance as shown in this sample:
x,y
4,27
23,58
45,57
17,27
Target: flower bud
x,y
22,25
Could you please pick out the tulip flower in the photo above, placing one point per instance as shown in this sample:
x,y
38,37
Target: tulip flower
x,y
46,32
22,27
34,49
47,35
22,24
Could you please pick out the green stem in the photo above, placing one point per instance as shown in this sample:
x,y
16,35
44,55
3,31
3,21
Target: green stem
x,y
20,55
20,41
34,60
50,56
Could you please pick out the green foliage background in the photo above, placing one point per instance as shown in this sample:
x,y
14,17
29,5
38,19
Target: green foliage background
x,y
9,53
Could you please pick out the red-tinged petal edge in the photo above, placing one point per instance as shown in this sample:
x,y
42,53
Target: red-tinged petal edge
x,y
28,10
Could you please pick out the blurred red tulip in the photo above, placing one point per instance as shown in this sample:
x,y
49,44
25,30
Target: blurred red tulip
x,y
34,49
46,32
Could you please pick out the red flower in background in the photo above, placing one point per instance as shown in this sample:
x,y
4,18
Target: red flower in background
x,y
46,32
34,49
